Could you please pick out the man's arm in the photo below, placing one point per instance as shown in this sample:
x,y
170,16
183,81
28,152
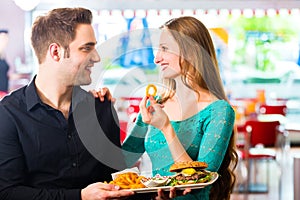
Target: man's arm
x,y
13,167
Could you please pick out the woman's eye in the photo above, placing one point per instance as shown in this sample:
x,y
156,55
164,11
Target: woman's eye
x,y
164,48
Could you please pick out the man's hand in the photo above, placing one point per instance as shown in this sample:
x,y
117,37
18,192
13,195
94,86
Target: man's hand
x,y
103,191
103,92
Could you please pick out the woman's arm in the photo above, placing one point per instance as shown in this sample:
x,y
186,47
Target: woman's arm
x,y
155,116
133,146
177,150
216,136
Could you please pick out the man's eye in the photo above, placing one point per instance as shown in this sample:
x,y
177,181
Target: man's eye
x,y
87,48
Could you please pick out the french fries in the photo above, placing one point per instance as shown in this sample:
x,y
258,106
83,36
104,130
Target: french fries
x,y
128,180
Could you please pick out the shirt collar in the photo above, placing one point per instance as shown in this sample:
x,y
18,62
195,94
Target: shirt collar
x,y
32,98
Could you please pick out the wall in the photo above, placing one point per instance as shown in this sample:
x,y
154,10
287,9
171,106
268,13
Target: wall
x,y
171,4
13,19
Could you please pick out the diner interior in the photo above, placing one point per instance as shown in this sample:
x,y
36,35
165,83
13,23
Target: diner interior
x,y
258,49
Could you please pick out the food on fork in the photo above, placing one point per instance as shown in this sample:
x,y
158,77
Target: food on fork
x,y
151,90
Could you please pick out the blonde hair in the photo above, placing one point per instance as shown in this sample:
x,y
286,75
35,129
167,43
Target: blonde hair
x,y
199,69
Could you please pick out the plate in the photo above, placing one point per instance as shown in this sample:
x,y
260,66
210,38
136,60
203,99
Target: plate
x,y
215,176
156,181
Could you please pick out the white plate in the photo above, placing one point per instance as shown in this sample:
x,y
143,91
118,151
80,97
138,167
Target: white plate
x,y
156,181
180,187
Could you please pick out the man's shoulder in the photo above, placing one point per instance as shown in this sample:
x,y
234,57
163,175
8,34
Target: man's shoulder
x,y
86,99
15,96
12,103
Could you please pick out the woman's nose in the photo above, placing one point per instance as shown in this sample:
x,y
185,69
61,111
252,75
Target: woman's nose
x,y
157,58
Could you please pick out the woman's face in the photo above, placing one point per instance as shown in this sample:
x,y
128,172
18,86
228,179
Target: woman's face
x,y
168,55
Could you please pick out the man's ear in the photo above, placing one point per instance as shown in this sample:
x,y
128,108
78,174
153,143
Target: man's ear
x,y
54,49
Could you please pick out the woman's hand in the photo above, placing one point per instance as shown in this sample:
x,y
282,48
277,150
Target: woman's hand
x,y
161,195
103,191
154,114
103,92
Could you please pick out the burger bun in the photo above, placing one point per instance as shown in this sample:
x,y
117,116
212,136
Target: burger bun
x,y
179,166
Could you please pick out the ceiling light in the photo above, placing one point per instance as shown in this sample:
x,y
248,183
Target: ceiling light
x,y
27,5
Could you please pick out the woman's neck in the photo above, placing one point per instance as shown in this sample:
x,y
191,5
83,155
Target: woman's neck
x,y
186,102
186,93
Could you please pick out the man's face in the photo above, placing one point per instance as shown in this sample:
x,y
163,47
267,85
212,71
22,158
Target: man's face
x,y
83,55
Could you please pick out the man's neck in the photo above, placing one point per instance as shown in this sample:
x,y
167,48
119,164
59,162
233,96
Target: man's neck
x,y
55,95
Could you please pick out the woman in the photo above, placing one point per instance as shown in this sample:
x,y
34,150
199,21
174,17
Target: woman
x,y
193,119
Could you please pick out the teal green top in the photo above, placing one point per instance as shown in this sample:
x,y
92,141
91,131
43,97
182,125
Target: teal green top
x,y
205,136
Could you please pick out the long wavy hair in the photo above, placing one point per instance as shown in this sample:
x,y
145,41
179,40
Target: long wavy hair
x,y
199,69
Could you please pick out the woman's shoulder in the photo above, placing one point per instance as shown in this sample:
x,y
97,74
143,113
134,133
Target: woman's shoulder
x,y
222,108
219,107
220,103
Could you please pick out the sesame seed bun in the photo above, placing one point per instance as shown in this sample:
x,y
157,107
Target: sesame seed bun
x,y
178,166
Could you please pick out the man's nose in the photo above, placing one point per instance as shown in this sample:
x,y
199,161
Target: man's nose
x,y
95,56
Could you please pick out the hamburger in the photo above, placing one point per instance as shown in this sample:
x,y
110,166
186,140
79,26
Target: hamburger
x,y
190,172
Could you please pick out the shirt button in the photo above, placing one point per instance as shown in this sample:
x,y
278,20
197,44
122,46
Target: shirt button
x,y
74,164
69,136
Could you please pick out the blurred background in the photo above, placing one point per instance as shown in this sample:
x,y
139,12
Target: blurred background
x,y
257,44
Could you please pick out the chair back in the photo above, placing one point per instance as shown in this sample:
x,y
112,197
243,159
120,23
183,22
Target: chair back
x,y
2,94
262,132
273,109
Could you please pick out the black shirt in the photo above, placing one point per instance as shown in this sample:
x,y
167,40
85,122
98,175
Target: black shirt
x,y
45,156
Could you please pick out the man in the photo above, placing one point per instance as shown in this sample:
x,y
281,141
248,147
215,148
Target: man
x,y
51,143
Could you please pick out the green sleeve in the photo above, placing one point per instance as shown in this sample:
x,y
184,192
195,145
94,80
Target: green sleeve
x,y
133,146
216,136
